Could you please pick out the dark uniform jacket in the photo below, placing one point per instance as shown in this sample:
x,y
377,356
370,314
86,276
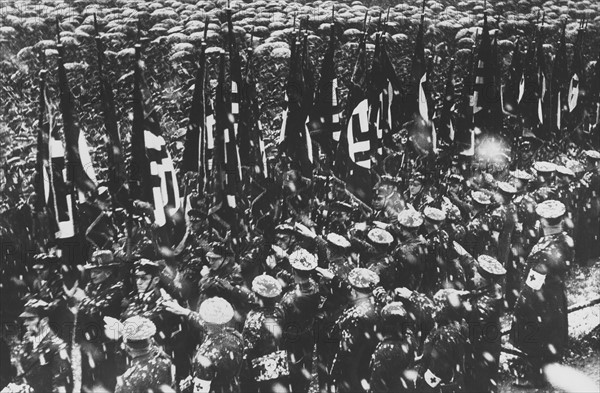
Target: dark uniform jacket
x,y
46,367
540,325
147,373
358,339
391,358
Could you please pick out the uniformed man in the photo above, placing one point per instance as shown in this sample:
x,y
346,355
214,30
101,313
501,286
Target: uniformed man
x,y
338,258
263,340
445,349
411,247
486,305
101,298
394,355
525,234
217,362
478,239
43,362
300,305
545,181
150,369
380,261
503,222
356,330
587,238
540,325
46,284
148,303
417,195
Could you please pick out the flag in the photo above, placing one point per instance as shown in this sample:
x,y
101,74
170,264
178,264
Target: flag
x,y
464,135
194,153
42,177
237,141
577,85
117,178
486,103
249,120
528,105
60,198
158,177
513,90
353,163
445,127
418,100
543,130
308,96
79,163
295,139
558,87
325,126
225,173
389,98
376,87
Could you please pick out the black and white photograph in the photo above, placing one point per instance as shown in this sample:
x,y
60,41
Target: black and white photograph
x,y
290,196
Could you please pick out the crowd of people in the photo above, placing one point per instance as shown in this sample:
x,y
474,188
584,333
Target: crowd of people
x,y
406,294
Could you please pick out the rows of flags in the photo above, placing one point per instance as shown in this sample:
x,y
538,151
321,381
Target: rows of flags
x,y
224,139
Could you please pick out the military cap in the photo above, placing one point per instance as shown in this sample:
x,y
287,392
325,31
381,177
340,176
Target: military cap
x,y
456,178
434,214
338,240
544,167
216,311
563,170
394,310
521,175
218,250
303,260
592,154
419,176
550,209
380,236
342,206
285,228
410,218
43,260
481,197
506,187
14,161
35,308
266,286
101,259
490,265
138,331
361,278
148,266
448,297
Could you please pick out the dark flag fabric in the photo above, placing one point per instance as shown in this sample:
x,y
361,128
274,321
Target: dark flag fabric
x,y
42,177
79,163
389,96
325,125
249,120
577,86
236,140
486,98
464,137
559,86
116,170
542,91
158,176
512,91
295,138
445,126
528,104
375,87
353,163
193,149
61,198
